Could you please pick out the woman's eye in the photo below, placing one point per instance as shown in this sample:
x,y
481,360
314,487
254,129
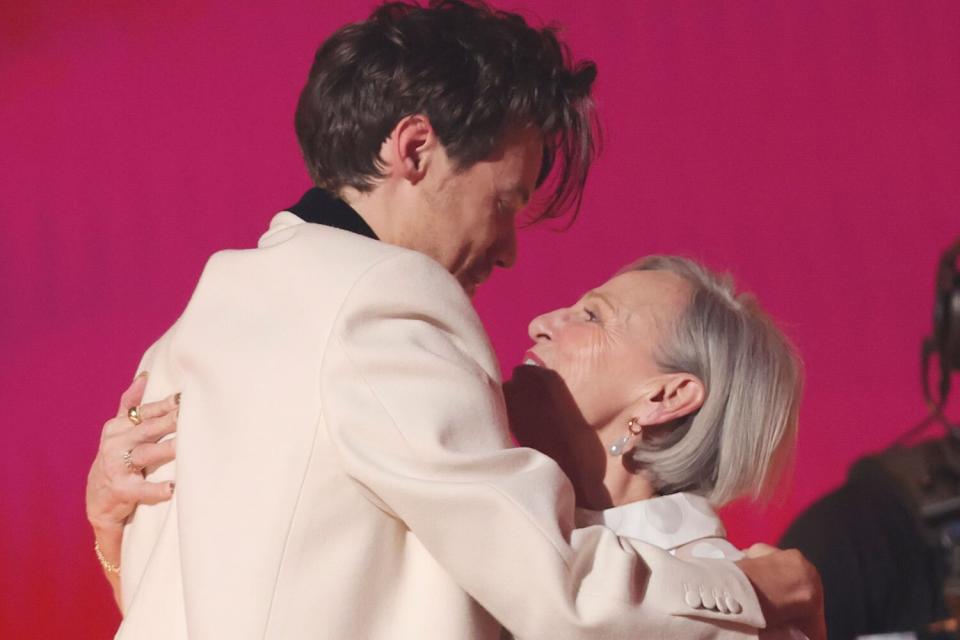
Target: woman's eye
x,y
591,316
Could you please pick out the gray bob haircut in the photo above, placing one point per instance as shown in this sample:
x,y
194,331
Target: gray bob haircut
x,y
742,438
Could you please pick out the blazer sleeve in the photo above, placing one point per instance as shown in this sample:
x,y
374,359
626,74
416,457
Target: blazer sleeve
x,y
411,398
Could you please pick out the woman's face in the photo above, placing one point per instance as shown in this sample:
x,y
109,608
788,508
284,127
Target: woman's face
x,y
603,346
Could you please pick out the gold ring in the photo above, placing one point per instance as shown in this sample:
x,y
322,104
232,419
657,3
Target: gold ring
x,y
134,414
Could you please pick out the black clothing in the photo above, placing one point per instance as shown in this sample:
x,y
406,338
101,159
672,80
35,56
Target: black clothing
x,y
322,207
881,570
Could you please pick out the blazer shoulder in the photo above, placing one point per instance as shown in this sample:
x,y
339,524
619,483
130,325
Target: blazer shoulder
x,y
362,261
288,232
404,289
307,257
411,284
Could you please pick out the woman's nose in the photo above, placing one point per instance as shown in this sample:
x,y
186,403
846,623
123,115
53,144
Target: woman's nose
x,y
537,330
543,326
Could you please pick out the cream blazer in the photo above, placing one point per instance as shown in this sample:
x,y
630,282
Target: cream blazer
x,y
344,471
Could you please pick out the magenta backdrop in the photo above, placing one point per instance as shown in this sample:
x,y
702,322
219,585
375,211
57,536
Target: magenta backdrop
x,y
811,148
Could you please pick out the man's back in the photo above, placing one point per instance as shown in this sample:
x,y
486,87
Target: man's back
x,y
269,531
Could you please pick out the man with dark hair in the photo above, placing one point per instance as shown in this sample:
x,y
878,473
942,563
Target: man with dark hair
x,y
474,72
344,466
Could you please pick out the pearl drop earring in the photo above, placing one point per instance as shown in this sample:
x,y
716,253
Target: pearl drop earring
x,y
634,429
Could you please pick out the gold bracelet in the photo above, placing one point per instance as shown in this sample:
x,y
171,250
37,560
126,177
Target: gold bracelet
x,y
108,566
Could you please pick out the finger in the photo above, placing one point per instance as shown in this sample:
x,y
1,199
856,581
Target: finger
x,y
150,456
160,407
154,492
133,395
113,428
759,550
155,428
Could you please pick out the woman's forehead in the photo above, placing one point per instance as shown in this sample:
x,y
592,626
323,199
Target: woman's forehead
x,y
657,291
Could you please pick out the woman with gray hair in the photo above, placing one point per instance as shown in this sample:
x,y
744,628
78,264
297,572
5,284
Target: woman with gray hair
x,y
663,394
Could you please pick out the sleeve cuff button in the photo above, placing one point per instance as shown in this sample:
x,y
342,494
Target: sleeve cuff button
x,y
692,599
732,604
708,600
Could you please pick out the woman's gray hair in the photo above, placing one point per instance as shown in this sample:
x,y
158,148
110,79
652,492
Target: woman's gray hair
x,y
742,438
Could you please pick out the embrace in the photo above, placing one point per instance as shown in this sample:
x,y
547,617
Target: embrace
x,y
343,464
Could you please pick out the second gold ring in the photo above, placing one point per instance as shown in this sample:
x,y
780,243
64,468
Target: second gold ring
x,y
133,413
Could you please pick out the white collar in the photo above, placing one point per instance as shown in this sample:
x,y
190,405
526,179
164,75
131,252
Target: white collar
x,y
665,521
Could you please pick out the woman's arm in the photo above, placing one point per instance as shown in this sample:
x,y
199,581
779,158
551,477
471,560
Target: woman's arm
x,y
116,484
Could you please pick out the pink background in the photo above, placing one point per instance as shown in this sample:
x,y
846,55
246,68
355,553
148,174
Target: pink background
x,y
811,148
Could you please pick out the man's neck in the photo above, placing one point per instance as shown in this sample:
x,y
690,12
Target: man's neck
x,y
372,207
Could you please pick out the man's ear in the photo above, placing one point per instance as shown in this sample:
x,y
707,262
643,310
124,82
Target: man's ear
x,y
410,147
670,397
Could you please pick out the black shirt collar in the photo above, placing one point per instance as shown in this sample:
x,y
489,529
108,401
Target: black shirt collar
x,y
322,207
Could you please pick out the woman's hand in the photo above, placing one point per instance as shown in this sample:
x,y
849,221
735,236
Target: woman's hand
x,y
788,587
116,483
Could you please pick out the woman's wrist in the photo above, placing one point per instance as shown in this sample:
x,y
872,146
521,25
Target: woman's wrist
x,y
107,542
104,529
106,563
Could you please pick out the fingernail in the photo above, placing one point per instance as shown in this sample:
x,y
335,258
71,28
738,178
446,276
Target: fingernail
x,y
176,398
140,375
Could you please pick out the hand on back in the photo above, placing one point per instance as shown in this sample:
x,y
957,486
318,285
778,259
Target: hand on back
x,y
128,451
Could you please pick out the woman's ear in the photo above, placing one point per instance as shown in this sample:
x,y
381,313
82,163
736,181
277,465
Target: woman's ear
x,y
406,152
670,397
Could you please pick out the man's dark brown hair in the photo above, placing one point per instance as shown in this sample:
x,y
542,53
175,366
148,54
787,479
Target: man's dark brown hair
x,y
474,71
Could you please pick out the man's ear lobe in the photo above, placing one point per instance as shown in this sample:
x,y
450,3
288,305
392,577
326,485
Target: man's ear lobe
x,y
413,141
